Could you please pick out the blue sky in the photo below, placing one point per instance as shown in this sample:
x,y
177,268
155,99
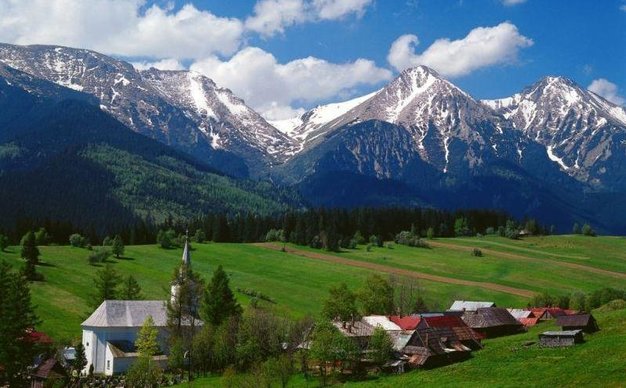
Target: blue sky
x,y
259,48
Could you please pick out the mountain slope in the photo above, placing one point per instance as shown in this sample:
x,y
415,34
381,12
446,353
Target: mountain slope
x,y
182,109
584,134
70,161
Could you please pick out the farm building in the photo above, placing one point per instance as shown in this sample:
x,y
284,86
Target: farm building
x,y
560,338
529,322
547,313
468,305
49,373
432,347
359,331
584,322
466,335
492,322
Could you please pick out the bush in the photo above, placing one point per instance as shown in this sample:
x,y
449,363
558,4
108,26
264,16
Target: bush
x,y
477,252
99,255
490,231
78,241
412,240
369,247
588,231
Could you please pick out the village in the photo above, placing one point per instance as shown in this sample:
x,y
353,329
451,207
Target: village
x,y
422,340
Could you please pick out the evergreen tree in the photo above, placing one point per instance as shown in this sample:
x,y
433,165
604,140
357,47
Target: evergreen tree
x,y
576,228
42,237
80,361
131,289
199,236
30,253
117,246
340,304
16,353
219,302
4,242
106,283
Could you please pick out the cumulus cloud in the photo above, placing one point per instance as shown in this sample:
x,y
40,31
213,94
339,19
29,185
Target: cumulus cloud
x,y
120,27
482,47
163,64
271,17
273,88
606,89
509,3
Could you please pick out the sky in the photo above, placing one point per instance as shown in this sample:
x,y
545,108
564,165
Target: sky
x,y
285,56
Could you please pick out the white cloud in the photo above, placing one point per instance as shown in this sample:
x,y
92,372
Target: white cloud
x,y
509,3
337,9
273,88
482,47
606,89
271,17
163,64
120,27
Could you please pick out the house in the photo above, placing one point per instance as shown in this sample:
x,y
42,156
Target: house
x,y
110,332
584,322
560,338
47,374
529,322
381,321
465,334
492,322
468,305
547,313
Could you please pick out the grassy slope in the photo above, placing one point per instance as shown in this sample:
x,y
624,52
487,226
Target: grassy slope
x,y
505,362
299,284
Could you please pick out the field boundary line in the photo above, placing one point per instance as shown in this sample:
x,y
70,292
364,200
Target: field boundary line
x,y
397,271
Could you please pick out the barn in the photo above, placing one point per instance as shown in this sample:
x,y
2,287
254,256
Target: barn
x,y
584,322
554,339
492,322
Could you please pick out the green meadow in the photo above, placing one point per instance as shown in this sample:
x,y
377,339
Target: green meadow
x,y
298,284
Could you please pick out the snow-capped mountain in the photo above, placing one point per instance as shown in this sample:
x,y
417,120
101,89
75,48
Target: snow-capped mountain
x,y
582,132
445,127
182,109
303,128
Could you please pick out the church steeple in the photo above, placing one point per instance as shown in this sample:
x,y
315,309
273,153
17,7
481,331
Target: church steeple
x,y
186,252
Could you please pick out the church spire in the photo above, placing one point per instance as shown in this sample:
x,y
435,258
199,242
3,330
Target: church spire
x,y
186,252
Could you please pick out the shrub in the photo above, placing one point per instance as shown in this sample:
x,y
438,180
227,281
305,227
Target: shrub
x,y
78,241
477,252
408,238
99,255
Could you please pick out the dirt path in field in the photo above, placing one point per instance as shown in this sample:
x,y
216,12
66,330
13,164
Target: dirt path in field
x,y
397,271
619,275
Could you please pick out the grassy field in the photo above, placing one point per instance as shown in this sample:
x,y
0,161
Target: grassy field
x,y
298,284
506,362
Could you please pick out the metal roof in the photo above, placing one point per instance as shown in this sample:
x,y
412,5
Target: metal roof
x,y
382,321
127,313
469,305
563,333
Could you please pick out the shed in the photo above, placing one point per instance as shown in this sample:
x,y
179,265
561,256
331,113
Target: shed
x,y
584,322
560,338
47,373
432,347
492,322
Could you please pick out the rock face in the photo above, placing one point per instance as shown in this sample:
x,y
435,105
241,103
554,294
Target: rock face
x,y
582,132
182,109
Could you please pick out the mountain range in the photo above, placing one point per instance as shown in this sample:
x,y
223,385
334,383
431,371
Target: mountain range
x,y
554,151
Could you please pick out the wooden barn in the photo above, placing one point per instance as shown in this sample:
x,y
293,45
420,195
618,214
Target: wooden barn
x,y
555,339
49,373
492,322
584,322
465,334
432,347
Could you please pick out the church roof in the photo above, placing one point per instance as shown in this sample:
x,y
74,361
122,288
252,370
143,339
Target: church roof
x,y
127,313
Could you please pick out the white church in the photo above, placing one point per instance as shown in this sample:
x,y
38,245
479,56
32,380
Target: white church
x,y
110,332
